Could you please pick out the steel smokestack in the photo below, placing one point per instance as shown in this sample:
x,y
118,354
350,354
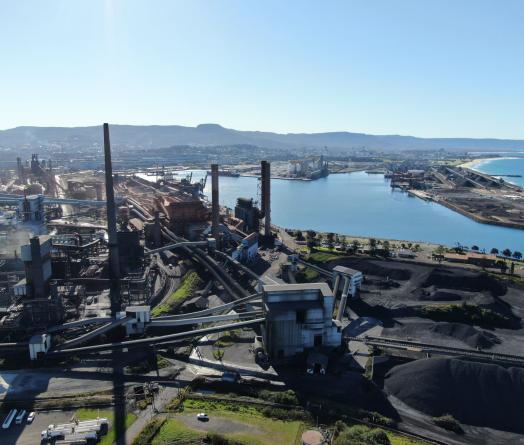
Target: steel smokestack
x,y
215,206
114,265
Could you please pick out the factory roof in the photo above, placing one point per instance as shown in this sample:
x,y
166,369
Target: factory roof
x,y
138,308
37,339
322,287
346,270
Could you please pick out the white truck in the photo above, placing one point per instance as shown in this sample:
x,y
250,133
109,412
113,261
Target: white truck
x,y
88,429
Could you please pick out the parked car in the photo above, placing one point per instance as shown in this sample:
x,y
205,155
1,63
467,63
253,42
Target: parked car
x,y
203,417
31,417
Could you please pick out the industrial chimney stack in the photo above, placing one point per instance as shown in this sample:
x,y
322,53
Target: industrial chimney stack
x,y
265,170
114,265
215,207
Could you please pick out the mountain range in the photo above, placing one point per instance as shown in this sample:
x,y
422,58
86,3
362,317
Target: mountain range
x,y
142,137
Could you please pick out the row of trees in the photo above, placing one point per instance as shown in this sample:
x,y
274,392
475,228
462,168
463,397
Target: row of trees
x,y
314,239
506,252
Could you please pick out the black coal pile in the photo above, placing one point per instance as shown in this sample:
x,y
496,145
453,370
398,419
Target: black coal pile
x,y
425,332
465,280
480,394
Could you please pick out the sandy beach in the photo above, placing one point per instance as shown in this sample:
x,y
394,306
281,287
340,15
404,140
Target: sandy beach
x,y
474,163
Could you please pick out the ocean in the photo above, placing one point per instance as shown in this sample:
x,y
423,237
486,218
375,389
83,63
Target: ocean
x,y
507,164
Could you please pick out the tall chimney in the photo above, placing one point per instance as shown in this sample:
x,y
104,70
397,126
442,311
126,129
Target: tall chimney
x,y
215,207
265,168
114,265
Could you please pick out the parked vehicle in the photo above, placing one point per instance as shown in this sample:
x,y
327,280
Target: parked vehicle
x,y
9,419
31,417
20,417
203,417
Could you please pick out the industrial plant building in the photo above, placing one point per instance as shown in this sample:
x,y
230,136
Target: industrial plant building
x,y
299,317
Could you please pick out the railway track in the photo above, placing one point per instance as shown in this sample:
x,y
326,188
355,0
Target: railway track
x,y
408,345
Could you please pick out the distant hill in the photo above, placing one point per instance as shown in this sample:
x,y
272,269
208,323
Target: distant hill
x,y
157,136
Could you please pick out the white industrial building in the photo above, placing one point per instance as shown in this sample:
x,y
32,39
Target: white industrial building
x,y
298,318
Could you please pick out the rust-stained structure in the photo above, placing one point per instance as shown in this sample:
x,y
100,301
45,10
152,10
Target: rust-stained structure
x,y
181,211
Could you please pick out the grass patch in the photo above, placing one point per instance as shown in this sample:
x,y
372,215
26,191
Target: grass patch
x,y
218,354
190,284
174,431
465,313
306,275
364,435
325,256
89,414
149,432
228,338
266,431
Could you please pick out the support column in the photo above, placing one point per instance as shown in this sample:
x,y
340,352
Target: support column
x,y
336,283
343,299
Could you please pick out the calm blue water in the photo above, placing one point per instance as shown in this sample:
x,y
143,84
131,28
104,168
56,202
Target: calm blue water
x,y
364,205
504,167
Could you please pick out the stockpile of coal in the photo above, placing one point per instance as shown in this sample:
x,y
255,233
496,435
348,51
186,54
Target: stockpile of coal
x,y
425,332
392,271
474,393
465,280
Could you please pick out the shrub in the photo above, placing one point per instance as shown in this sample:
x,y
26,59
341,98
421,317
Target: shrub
x,y
149,432
285,397
362,435
448,422
285,414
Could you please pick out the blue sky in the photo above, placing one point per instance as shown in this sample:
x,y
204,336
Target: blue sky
x,y
443,68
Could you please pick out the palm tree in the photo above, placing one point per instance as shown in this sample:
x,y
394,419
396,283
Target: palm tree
x,y
494,251
506,252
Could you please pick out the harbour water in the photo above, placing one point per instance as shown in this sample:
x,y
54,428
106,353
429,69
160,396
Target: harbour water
x,y
364,205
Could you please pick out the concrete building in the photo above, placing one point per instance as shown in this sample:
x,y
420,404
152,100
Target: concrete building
x,y
39,345
299,318
31,208
352,281
37,263
247,250
248,213
139,317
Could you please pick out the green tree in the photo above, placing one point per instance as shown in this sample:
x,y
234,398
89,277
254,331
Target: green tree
x,y
372,245
506,253
475,247
355,245
517,255
494,251
387,249
330,237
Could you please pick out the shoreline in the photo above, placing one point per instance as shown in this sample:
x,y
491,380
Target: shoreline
x,y
474,163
